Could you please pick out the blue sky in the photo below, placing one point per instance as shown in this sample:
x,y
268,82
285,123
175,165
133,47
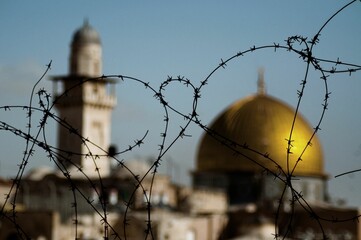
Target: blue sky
x,y
153,40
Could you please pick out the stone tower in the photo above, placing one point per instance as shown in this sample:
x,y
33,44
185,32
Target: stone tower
x,y
85,102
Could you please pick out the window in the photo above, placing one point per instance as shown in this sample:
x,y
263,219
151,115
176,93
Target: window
x,y
98,136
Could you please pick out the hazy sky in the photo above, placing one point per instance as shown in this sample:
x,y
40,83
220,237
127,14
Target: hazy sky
x,y
151,40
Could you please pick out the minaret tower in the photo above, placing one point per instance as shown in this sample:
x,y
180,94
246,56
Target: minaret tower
x,y
85,102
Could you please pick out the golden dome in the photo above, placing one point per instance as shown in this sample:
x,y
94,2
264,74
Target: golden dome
x,y
262,123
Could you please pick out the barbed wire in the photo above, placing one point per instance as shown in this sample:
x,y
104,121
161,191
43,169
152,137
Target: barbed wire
x,y
35,136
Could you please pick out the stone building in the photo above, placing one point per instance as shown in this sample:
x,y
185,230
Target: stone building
x,y
241,184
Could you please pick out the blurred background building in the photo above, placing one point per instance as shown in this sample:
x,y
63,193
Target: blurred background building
x,y
253,179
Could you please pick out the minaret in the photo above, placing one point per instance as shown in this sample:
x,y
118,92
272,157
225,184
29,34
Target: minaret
x,y
84,102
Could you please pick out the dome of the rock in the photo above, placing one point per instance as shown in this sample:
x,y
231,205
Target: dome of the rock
x,y
260,125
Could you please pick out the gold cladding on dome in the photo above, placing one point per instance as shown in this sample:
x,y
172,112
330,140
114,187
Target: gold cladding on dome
x,y
263,123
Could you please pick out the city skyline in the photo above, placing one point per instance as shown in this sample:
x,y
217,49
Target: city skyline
x,y
153,42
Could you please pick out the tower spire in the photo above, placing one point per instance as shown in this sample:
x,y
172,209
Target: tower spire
x,y
86,22
260,82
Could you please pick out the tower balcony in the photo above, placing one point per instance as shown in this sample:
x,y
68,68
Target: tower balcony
x,y
78,90
100,100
